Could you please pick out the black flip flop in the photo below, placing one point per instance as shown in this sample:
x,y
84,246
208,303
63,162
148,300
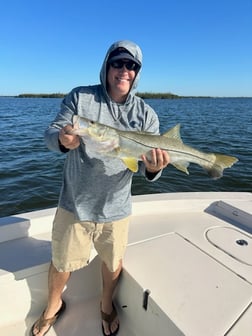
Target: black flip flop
x,y
109,318
42,322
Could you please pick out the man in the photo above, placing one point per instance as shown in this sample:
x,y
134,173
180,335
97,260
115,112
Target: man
x,y
95,199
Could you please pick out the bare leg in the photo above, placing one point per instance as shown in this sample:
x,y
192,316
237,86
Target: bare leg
x,y
56,283
110,280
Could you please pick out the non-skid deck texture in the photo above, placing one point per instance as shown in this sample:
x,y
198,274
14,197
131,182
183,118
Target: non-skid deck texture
x,y
182,248
79,319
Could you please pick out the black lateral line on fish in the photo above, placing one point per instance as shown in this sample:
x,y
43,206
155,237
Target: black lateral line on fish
x,y
170,150
190,154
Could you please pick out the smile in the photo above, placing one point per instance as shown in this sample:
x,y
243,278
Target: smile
x,y
122,79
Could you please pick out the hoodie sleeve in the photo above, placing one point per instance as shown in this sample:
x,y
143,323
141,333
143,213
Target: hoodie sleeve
x,y
63,118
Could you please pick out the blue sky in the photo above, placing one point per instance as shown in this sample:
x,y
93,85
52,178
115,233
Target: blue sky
x,y
190,47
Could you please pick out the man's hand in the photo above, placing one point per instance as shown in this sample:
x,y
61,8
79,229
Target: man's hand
x,y
69,141
159,160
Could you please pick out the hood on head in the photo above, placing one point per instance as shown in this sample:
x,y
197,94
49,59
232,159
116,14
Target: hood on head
x,y
122,53
118,50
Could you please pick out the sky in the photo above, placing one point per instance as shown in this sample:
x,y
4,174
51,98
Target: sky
x,y
190,47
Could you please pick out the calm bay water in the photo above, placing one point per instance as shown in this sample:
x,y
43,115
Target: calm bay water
x,y
30,175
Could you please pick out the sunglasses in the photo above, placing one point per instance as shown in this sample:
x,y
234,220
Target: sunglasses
x,y
130,65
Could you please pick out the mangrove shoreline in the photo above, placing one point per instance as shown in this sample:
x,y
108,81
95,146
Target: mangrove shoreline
x,y
144,95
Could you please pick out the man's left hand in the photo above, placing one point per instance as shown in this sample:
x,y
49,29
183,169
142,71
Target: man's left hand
x,y
158,160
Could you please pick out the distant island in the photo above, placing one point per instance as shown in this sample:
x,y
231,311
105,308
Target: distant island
x,y
144,95
41,95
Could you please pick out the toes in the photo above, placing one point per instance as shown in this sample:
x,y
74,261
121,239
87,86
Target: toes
x,y
110,328
37,331
114,326
106,328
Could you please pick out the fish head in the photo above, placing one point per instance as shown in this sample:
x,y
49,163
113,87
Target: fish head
x,y
80,125
97,137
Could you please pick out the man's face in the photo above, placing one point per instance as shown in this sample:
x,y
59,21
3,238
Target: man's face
x,y
120,79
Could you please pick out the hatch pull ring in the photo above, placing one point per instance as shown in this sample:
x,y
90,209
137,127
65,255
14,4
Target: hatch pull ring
x,y
146,294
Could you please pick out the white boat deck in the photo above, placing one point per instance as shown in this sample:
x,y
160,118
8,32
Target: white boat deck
x,y
187,270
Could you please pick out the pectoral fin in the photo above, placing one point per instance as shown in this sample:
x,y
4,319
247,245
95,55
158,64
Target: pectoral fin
x,y
182,165
131,163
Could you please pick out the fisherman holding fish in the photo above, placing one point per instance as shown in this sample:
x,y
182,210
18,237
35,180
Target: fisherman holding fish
x,y
95,200
107,133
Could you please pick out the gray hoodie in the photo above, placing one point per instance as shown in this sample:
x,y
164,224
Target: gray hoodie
x,y
95,187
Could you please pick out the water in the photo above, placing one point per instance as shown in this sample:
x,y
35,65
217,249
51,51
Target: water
x,y
30,175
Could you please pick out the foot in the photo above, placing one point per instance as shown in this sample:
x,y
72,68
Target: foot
x,y
46,321
110,321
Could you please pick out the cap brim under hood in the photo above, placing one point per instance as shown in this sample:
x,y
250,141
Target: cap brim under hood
x,y
131,48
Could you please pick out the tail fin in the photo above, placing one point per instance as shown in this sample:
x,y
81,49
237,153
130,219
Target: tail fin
x,y
221,162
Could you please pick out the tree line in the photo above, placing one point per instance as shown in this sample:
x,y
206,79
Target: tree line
x,y
144,95
41,95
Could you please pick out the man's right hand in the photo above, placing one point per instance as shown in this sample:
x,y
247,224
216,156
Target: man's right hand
x,y
69,141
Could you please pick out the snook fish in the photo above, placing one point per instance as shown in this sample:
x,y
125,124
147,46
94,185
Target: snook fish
x,y
129,146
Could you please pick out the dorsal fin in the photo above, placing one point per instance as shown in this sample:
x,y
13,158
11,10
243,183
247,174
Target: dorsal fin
x,y
174,132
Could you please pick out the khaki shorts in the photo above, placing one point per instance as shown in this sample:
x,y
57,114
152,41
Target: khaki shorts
x,y
72,241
